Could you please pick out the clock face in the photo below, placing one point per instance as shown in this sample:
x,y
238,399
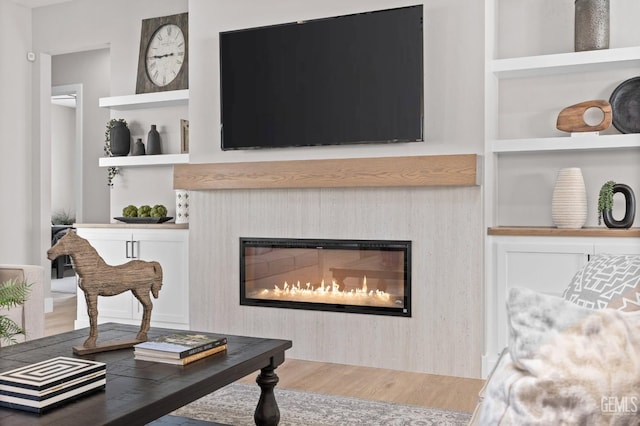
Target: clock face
x,y
165,54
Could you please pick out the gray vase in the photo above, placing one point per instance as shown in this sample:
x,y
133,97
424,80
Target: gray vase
x,y
138,148
591,25
120,139
153,141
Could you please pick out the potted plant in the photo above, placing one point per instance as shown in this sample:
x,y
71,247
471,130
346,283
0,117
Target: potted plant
x,y
605,205
62,217
116,128
12,293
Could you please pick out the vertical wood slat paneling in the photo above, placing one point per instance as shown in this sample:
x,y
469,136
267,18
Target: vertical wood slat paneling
x,y
444,336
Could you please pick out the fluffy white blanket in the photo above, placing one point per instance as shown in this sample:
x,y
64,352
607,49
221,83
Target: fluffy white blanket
x,y
568,366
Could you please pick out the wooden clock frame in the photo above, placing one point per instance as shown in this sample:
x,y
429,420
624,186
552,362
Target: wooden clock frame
x,y
149,28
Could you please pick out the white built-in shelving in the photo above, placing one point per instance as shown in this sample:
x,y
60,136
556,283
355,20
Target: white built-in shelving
x,y
146,100
144,160
565,63
518,255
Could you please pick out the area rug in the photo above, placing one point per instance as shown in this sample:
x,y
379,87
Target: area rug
x,y
235,404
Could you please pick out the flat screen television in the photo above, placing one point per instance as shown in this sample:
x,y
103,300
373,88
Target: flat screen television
x,y
342,80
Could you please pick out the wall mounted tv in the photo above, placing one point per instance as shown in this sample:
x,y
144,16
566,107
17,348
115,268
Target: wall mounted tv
x,y
343,80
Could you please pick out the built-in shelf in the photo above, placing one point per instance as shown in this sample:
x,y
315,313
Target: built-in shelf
x,y
563,63
144,160
567,143
528,231
146,100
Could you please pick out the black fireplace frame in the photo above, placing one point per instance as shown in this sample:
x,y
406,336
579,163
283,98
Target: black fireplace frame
x,y
379,245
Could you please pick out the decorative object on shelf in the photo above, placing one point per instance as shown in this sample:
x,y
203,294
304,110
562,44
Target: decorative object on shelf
x,y
153,141
149,219
605,205
138,147
144,214
12,293
163,60
572,118
184,136
118,138
591,25
182,206
625,103
99,279
569,202
108,146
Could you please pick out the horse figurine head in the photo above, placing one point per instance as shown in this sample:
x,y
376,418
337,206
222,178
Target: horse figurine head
x,y
66,245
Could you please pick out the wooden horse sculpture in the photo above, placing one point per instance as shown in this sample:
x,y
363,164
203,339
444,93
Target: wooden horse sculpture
x,y
99,279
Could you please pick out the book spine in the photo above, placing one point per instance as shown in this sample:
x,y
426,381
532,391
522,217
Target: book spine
x,y
201,355
203,348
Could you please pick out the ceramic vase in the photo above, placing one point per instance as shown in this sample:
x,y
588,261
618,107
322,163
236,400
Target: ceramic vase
x,y
182,206
153,141
591,25
120,139
138,148
629,208
569,203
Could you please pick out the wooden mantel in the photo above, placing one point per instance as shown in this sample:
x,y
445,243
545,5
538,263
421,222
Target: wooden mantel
x,y
432,170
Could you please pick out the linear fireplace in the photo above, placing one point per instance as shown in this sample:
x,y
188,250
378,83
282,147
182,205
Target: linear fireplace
x,y
357,276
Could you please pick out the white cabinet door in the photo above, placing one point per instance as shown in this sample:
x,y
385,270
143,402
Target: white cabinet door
x,y
545,265
169,247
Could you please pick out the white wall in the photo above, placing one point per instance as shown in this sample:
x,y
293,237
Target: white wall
x,y
453,61
91,69
16,162
63,138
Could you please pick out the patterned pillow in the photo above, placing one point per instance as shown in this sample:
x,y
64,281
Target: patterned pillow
x,y
607,281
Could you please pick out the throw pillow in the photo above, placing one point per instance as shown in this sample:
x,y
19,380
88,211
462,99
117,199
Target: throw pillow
x,y
607,281
571,365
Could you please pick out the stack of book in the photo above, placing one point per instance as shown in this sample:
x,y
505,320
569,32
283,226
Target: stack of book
x,y
47,384
179,348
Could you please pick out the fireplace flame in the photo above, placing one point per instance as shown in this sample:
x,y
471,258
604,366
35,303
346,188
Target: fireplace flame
x,y
328,293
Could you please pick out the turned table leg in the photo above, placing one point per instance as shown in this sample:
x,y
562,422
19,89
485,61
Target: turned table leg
x,y
267,412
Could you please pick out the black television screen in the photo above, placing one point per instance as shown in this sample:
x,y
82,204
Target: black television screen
x,y
344,80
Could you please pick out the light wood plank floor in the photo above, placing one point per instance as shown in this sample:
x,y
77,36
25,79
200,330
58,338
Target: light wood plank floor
x,y
428,390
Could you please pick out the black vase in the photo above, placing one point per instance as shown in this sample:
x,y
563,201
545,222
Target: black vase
x,y
153,141
630,208
120,138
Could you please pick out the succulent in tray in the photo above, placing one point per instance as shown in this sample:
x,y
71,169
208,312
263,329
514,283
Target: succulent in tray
x,y
144,211
130,211
159,211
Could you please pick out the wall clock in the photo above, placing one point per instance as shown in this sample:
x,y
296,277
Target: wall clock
x,y
163,61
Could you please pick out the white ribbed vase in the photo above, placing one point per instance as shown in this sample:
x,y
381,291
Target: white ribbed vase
x,y
569,203
182,206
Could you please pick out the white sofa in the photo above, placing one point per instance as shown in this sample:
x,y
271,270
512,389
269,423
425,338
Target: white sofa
x,y
31,314
573,360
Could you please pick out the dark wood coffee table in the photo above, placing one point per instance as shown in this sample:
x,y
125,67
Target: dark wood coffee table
x,y
138,392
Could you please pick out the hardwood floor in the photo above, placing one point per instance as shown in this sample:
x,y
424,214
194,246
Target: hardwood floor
x,y
428,390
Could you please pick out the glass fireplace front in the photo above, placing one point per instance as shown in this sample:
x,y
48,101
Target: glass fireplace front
x,y
358,276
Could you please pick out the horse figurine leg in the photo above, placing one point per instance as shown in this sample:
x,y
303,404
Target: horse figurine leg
x,y
145,300
92,310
